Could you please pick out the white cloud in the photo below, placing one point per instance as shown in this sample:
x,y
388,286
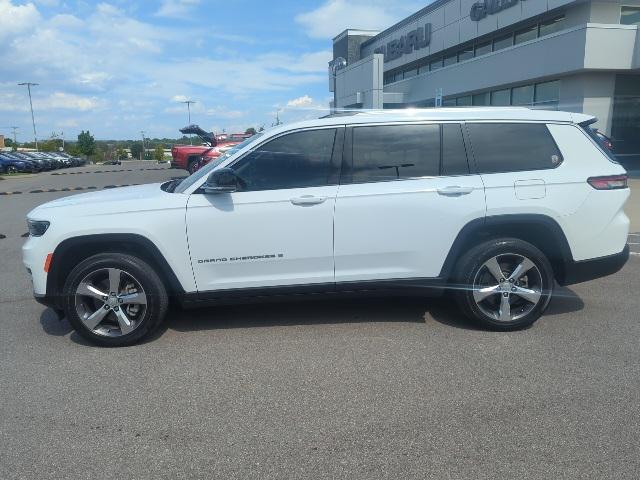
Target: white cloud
x,y
303,101
334,16
14,102
179,98
176,8
17,19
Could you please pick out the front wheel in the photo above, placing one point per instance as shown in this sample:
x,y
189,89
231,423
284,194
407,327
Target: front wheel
x,y
114,299
504,284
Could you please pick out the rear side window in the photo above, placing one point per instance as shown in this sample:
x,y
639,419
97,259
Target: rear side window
x,y
391,152
513,147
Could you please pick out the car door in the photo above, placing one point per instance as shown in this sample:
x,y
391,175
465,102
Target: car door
x,y
405,194
277,229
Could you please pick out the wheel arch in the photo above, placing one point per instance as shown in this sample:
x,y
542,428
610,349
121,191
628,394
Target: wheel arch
x,y
72,251
541,231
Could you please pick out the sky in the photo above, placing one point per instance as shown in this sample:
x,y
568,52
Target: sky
x,y
121,67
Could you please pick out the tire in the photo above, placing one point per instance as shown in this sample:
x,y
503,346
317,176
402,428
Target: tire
x,y
11,170
511,302
192,165
138,307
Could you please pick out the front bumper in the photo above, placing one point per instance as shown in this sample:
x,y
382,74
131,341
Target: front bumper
x,y
585,270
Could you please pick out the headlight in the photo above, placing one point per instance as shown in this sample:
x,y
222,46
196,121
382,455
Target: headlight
x,y
37,227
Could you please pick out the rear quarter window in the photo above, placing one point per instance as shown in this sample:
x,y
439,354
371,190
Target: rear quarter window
x,y
513,147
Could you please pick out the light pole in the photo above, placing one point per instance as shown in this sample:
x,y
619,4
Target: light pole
x,y
336,65
189,103
33,120
142,155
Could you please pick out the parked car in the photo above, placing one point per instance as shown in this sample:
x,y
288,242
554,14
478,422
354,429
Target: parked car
x,y
492,205
44,163
10,164
192,157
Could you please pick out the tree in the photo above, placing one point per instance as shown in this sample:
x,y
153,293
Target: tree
x,y
250,131
8,142
121,153
86,143
158,153
136,150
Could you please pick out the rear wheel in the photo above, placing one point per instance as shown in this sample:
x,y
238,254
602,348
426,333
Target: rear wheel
x,y
11,169
504,284
114,299
192,165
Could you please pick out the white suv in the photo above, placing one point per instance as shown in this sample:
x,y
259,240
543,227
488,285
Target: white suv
x,y
491,205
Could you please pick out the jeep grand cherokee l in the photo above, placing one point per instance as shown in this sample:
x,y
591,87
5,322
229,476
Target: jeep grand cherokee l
x,y
491,205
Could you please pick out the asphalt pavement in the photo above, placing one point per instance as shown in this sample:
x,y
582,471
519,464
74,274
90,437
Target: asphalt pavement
x,y
383,388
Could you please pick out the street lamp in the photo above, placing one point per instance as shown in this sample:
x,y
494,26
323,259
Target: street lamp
x,y
143,154
29,85
189,103
336,65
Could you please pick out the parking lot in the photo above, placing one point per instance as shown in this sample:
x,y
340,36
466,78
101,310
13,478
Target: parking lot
x,y
388,388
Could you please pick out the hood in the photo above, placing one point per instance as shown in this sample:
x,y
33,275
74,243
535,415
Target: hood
x,y
137,198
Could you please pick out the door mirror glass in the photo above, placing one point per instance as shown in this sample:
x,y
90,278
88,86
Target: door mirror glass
x,y
224,180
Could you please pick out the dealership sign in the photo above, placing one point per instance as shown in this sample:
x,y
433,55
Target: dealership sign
x,y
490,7
414,40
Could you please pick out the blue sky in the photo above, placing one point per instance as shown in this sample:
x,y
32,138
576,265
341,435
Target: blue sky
x,y
119,67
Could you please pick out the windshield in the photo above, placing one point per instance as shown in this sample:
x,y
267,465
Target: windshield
x,y
204,171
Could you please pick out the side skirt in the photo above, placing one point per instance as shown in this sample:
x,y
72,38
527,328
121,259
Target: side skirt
x,y
423,287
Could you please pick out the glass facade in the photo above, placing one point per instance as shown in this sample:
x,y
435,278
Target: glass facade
x,y
482,47
544,95
625,127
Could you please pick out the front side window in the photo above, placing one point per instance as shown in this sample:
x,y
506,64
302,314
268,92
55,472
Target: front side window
x,y
295,160
392,152
513,147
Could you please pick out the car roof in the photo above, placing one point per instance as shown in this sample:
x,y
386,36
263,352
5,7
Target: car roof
x,y
518,114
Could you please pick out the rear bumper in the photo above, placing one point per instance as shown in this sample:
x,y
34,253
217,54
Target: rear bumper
x,y
585,270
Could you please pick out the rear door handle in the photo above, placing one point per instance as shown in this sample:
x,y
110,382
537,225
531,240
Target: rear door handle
x,y
454,191
307,200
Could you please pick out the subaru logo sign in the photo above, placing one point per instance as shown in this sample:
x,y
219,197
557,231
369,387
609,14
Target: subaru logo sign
x,y
480,10
414,40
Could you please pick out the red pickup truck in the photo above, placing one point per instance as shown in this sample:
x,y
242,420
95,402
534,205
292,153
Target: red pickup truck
x,y
193,157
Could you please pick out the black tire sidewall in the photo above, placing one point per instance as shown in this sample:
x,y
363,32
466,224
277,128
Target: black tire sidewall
x,y
473,260
151,283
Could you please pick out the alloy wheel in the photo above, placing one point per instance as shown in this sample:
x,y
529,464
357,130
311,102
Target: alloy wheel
x,y
507,287
110,302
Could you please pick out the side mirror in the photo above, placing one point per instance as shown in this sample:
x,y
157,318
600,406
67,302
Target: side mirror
x,y
224,180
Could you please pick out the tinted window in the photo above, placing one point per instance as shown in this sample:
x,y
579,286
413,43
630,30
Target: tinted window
x,y
454,155
465,54
501,98
512,147
483,49
301,159
630,16
396,151
527,34
551,26
502,42
450,60
522,95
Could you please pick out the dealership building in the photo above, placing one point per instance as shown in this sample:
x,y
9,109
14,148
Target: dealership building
x,y
575,55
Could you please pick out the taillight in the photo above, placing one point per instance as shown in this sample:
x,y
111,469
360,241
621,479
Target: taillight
x,y
609,182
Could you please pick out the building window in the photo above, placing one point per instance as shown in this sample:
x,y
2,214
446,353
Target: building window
x,y
551,26
450,60
526,34
547,94
481,99
502,42
483,49
464,101
465,54
435,64
411,73
630,16
501,98
449,102
522,95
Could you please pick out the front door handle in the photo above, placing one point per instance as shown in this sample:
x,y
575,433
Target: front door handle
x,y
307,200
454,191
